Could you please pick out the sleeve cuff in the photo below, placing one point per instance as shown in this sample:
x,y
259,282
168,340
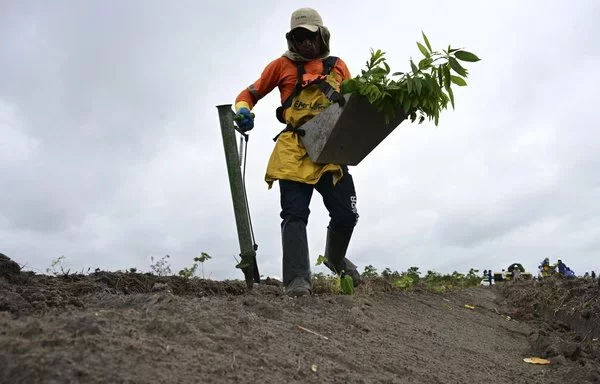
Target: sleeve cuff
x,y
241,104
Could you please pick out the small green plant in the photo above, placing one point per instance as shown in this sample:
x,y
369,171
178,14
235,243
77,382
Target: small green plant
x,y
404,282
347,285
369,272
414,274
161,267
344,283
190,272
432,281
388,274
422,92
58,267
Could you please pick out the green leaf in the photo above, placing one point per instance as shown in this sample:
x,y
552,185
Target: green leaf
x,y
397,73
414,67
425,63
423,49
466,56
409,84
426,41
457,67
458,81
347,285
447,77
406,105
451,95
349,86
418,85
321,259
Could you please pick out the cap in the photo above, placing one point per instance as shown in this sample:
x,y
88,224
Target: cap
x,y
306,18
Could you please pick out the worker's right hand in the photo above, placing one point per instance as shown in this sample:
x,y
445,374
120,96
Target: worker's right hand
x,y
244,119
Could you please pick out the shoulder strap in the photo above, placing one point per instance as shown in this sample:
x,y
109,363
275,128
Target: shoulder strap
x,y
328,65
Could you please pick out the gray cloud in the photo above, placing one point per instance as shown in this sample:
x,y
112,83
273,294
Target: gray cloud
x,y
110,149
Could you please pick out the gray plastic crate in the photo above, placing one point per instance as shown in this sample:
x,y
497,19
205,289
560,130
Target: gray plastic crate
x,y
346,135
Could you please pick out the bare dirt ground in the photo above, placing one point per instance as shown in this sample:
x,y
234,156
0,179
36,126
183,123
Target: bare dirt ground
x,y
112,327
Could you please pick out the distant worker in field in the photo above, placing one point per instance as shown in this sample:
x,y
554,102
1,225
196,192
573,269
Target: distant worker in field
x,y
309,80
544,268
569,272
562,268
515,273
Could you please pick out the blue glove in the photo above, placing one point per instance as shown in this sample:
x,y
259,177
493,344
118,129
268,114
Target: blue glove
x,y
244,119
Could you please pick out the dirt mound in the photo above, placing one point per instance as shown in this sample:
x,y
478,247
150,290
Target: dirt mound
x,y
28,292
114,327
566,314
8,267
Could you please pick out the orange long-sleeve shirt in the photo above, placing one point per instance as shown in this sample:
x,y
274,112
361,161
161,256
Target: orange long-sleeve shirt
x,y
282,72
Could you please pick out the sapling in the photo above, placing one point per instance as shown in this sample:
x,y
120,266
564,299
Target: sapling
x,y
422,92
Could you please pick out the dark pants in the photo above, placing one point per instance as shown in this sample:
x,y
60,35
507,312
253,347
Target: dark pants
x,y
340,200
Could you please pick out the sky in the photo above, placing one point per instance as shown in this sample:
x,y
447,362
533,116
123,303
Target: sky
x,y
111,151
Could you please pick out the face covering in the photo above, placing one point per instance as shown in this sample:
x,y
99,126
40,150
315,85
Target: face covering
x,y
307,44
318,49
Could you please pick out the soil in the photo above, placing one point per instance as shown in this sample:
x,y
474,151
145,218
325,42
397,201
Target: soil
x,y
114,327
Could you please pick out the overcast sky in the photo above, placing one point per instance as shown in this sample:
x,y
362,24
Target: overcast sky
x,y
111,151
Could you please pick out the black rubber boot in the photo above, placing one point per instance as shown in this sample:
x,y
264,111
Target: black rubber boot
x,y
335,253
296,261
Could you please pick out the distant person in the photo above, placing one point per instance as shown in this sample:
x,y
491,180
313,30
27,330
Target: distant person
x,y
593,275
569,272
544,268
490,277
562,268
515,273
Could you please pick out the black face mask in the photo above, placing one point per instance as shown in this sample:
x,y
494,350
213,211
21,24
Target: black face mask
x,y
307,43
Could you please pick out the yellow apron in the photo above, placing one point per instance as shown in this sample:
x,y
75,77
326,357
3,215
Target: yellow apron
x,y
289,159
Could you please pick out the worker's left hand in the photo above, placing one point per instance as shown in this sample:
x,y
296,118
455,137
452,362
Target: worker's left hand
x,y
244,119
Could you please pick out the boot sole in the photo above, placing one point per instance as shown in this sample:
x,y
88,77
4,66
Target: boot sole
x,y
298,292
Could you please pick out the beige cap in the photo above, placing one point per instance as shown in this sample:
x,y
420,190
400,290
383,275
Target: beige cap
x,y
306,18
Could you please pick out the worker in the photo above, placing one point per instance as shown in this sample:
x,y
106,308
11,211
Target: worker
x,y
562,268
307,59
569,272
515,273
544,268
